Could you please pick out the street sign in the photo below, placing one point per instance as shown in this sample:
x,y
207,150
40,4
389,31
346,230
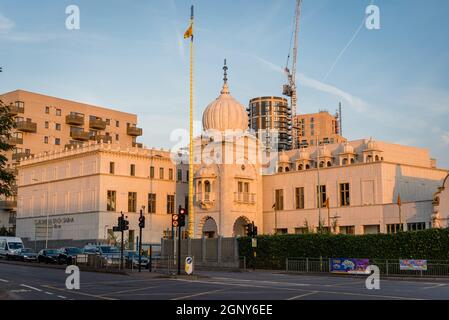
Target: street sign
x,y
189,265
254,242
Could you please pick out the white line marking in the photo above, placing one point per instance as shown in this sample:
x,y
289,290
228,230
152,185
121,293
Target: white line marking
x,y
2,280
198,294
30,287
62,297
49,293
437,285
303,295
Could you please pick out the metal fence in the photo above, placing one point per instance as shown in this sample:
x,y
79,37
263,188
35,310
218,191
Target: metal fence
x,y
390,267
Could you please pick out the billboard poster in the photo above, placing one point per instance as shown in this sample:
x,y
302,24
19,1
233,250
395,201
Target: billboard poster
x,y
413,265
350,266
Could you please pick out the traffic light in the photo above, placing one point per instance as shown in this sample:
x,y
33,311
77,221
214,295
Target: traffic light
x,y
175,220
249,230
255,231
120,223
182,216
125,225
142,222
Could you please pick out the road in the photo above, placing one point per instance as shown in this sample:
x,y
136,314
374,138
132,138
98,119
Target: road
x,y
33,283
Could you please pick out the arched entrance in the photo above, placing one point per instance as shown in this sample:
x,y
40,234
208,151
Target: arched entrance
x,y
239,226
210,229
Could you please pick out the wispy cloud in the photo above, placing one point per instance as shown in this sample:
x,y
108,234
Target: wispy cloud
x,y
5,24
356,103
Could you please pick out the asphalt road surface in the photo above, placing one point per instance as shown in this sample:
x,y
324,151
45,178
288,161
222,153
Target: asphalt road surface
x,y
31,283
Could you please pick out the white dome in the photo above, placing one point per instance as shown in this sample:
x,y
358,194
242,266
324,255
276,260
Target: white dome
x,y
371,144
304,154
225,113
284,158
324,152
347,148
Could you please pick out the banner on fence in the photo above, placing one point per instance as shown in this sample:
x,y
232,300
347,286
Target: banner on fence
x,y
352,266
413,265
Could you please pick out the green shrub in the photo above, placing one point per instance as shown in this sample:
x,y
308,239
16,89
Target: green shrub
x,y
432,244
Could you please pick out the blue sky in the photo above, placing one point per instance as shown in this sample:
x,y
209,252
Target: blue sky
x,y
130,55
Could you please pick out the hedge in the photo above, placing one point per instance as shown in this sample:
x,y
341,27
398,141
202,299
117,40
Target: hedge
x,y
431,244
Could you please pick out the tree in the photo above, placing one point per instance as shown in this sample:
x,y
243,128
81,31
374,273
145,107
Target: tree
x,y
7,177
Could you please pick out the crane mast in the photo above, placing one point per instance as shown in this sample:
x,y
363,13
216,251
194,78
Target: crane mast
x,y
289,89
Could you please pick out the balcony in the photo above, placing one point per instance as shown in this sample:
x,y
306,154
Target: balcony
x,y
12,219
79,135
245,198
26,126
134,131
15,141
97,124
74,119
15,109
20,155
102,137
137,145
8,205
205,200
73,145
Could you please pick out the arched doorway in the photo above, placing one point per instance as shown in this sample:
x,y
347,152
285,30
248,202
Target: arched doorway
x,y
210,229
239,226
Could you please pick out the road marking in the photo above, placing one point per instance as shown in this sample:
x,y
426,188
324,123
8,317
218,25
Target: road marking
x,y
62,297
198,294
30,287
20,291
80,293
49,293
2,280
303,295
265,281
126,291
437,285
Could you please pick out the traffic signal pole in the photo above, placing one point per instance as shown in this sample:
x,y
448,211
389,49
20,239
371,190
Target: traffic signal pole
x,y
140,240
179,250
123,242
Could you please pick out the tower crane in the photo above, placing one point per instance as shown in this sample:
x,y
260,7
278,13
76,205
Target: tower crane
x,y
289,89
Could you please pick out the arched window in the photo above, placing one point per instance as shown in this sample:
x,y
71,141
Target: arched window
x,y
369,158
345,161
280,170
352,161
377,158
207,187
300,167
322,164
307,167
200,186
287,169
329,164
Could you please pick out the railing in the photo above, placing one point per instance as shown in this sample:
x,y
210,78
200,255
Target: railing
x,y
387,267
245,197
26,126
134,131
74,119
15,140
20,155
98,124
15,110
8,204
137,145
79,135
101,137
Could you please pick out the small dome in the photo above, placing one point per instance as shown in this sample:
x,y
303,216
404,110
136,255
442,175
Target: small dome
x,y
347,148
206,172
225,113
324,152
371,145
283,157
304,154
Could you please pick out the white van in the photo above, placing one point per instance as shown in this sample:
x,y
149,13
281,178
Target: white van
x,y
10,246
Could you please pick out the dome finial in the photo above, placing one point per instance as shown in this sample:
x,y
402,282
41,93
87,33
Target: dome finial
x,y
225,89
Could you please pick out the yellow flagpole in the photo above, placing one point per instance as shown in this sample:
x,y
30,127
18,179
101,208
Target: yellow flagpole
x,y
191,213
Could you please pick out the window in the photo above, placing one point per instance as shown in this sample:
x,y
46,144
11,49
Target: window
x,y
170,174
170,204
179,178
282,231
58,141
299,198
111,167
321,196
47,110
279,201
344,195
395,228
111,203
46,124
133,170
117,137
302,230
46,140
347,230
151,172
117,124
161,173
151,203
58,112
132,201
187,175
108,121
416,226
58,126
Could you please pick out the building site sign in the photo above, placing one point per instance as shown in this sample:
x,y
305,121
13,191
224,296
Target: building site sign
x,y
350,266
413,265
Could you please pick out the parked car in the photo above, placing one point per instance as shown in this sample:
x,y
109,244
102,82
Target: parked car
x,y
48,256
110,254
68,255
27,255
132,259
10,246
